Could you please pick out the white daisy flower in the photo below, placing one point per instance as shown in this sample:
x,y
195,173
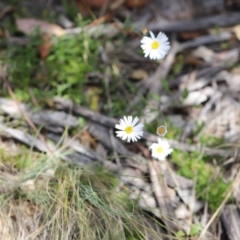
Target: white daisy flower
x,y
129,129
155,47
161,149
161,131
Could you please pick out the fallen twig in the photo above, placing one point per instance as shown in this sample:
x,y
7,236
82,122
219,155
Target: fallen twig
x,y
221,20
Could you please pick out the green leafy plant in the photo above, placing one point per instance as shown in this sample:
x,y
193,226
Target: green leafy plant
x,y
64,73
210,185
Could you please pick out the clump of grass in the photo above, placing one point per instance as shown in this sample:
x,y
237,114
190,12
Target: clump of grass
x,y
65,201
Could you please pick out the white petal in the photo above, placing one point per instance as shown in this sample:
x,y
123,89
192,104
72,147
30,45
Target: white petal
x,y
120,133
130,120
139,126
124,137
135,120
147,53
152,35
146,47
151,55
146,40
162,37
120,127
155,54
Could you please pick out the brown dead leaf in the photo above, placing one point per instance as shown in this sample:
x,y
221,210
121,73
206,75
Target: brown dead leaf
x,y
139,74
28,25
45,47
191,35
193,61
87,140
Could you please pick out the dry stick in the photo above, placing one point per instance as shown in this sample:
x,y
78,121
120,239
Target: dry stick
x,y
209,39
221,20
27,119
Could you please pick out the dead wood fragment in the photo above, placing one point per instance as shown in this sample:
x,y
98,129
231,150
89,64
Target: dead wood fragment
x,y
132,177
182,182
101,134
231,219
55,121
68,106
163,197
26,139
221,20
203,40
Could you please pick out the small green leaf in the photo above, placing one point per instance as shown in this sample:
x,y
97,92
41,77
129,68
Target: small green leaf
x,y
180,233
185,93
165,85
195,229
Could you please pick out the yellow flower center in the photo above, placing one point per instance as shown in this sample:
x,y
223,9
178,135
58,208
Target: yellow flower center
x,y
129,129
155,45
159,149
